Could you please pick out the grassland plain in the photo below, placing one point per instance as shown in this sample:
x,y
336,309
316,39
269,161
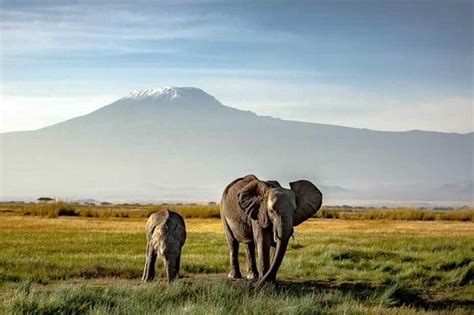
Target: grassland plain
x,y
87,265
60,208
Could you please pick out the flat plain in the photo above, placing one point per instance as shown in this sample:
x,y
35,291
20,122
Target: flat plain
x,y
81,265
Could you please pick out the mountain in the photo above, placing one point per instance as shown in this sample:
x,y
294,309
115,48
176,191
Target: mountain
x,y
183,144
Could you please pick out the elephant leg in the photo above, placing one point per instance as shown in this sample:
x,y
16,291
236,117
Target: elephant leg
x,y
177,265
234,261
149,270
170,267
251,262
263,240
233,245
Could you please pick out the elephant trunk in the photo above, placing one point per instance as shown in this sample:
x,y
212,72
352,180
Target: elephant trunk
x,y
282,231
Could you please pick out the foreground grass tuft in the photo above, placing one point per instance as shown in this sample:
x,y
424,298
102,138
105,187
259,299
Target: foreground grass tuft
x,y
215,298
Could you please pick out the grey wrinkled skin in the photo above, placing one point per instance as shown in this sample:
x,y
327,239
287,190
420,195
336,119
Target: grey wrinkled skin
x,y
166,234
261,215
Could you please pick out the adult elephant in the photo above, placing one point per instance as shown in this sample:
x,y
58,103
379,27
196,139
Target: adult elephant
x,y
262,214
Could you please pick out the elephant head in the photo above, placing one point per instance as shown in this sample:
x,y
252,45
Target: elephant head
x,y
269,204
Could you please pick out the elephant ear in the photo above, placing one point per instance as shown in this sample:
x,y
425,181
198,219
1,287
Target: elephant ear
x,y
308,200
251,199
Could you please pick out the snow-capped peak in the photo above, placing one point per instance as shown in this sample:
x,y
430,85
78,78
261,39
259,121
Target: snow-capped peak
x,y
167,91
178,96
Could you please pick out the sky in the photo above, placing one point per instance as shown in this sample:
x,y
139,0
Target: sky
x,y
384,65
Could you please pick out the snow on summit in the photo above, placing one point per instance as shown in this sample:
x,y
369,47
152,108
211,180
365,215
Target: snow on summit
x,y
178,96
163,92
158,92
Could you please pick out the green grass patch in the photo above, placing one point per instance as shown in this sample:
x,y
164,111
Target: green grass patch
x,y
83,270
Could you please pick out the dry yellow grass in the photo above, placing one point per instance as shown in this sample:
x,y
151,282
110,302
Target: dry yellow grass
x,y
387,226
137,211
214,225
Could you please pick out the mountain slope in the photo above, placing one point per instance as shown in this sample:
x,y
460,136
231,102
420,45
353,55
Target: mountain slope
x,y
181,143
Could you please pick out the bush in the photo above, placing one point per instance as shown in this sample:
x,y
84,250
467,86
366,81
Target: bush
x,y
67,211
50,210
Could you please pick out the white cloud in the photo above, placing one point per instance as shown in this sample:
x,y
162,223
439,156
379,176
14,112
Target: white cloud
x,y
84,30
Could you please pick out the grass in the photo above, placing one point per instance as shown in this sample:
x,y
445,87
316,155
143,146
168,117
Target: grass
x,y
216,298
202,298
60,208
407,214
93,265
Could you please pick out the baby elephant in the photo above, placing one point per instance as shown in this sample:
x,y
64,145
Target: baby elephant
x,y
166,234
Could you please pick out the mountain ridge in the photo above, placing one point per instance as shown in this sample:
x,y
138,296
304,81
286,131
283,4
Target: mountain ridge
x,y
151,94
157,147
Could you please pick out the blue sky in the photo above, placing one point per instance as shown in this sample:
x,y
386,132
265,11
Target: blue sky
x,y
386,65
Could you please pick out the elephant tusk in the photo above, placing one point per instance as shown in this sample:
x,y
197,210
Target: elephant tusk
x,y
276,238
